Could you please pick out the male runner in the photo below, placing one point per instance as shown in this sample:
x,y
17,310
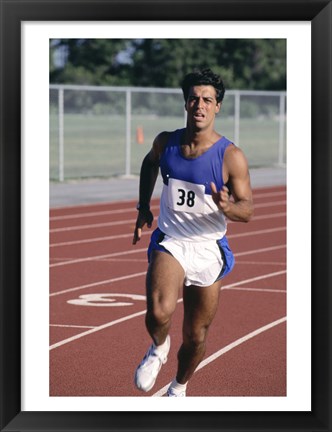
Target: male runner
x,y
189,251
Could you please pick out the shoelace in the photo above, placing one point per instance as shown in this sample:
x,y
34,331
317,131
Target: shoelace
x,y
150,356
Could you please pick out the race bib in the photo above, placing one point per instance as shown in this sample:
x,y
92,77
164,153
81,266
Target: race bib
x,y
185,196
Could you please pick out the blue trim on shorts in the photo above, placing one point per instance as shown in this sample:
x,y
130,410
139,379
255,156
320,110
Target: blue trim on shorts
x,y
227,256
156,238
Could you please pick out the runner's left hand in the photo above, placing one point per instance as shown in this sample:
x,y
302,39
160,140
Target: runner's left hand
x,y
220,198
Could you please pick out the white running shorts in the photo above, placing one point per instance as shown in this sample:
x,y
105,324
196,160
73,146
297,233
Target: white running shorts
x,y
202,262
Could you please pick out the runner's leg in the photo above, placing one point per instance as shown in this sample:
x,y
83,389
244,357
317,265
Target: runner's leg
x,y
163,284
200,306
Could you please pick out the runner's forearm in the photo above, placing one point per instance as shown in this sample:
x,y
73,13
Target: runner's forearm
x,y
148,177
240,211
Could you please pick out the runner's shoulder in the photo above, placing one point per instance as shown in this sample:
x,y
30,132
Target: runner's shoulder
x,y
160,142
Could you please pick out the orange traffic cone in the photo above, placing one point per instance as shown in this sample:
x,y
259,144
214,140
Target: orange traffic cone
x,y
139,135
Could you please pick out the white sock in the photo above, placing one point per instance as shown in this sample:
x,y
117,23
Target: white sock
x,y
163,347
177,387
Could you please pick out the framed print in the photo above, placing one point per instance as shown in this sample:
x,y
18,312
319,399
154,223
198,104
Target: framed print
x,y
16,220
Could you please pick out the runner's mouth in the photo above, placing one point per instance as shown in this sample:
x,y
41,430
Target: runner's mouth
x,y
198,115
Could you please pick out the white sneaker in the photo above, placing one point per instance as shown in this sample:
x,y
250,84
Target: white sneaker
x,y
147,372
171,393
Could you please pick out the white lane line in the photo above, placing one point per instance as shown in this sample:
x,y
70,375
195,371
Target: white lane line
x,y
128,317
261,263
96,239
266,290
101,257
118,236
253,279
131,221
259,232
238,254
71,326
125,210
268,194
227,348
253,251
125,253
96,329
98,213
94,284
90,226
263,217
270,204
127,260
230,288
134,275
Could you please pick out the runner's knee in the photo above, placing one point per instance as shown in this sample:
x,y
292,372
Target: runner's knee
x,y
161,312
195,337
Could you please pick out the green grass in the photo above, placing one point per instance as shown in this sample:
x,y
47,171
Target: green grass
x,y
94,146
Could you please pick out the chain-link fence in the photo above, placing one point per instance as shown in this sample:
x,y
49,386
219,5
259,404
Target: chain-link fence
x,y
106,131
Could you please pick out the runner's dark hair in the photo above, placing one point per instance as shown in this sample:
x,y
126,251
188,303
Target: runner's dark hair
x,y
203,77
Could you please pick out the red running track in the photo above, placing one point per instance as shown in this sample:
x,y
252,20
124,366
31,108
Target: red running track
x,y
97,305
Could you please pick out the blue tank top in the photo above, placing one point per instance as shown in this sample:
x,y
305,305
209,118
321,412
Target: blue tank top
x,y
187,210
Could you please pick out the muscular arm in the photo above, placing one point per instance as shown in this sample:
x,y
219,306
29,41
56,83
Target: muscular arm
x,y
148,176
236,175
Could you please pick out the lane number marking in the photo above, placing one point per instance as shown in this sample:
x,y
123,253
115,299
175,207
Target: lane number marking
x,y
105,299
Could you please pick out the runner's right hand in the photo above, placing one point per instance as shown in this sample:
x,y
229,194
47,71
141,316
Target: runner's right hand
x,y
144,217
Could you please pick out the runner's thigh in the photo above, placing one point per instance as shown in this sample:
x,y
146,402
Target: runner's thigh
x,y
164,280
200,307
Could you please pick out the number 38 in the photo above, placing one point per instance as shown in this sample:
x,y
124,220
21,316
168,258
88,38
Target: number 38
x,y
186,197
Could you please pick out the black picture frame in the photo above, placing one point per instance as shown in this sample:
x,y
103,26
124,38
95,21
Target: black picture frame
x,y
13,12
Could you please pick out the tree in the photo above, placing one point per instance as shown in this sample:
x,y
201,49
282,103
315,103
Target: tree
x,y
89,61
258,64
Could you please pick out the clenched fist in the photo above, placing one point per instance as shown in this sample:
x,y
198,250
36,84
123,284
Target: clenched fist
x,y
221,198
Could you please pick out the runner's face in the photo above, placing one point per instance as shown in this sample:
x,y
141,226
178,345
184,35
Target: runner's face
x,y
202,105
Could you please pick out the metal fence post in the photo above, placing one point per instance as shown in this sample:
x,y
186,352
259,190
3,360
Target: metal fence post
x,y
237,118
128,132
61,134
282,112
239,115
